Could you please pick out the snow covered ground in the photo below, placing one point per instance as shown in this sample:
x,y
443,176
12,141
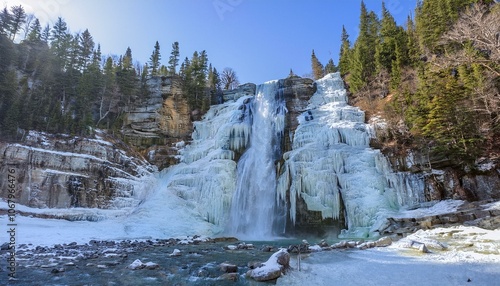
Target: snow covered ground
x,y
471,257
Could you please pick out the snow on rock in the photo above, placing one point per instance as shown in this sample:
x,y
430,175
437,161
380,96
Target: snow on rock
x,y
430,209
176,252
468,240
272,269
61,171
331,161
137,264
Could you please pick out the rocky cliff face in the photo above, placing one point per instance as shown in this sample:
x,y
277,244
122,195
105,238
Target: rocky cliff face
x,y
155,124
63,171
297,92
443,181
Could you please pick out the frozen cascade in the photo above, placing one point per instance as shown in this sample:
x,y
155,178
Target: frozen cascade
x,y
205,179
331,163
254,203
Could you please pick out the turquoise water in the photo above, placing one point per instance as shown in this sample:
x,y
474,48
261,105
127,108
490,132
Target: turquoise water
x,y
107,265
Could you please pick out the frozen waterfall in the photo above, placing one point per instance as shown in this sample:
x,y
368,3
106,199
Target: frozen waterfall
x,y
331,166
254,203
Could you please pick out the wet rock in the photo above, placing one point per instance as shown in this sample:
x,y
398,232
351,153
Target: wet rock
x,y
228,268
202,273
151,266
234,277
323,243
283,259
57,270
340,245
254,264
225,239
351,244
137,264
267,248
176,252
111,263
366,245
246,246
272,269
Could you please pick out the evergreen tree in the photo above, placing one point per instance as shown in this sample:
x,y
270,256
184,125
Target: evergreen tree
x,y
126,76
317,67
60,42
386,47
35,34
450,122
45,36
154,60
432,20
345,53
86,49
174,59
17,19
412,43
5,22
363,58
330,67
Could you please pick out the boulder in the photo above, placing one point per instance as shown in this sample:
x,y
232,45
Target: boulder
x,y
383,241
234,277
176,252
151,265
137,264
272,269
228,268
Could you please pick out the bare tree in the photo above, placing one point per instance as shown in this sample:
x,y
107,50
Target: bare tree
x,y
480,27
229,79
478,31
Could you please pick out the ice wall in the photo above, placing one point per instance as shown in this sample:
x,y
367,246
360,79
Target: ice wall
x,y
205,179
331,161
253,206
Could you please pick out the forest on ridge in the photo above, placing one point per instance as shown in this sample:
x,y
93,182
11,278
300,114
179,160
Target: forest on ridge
x,y
434,80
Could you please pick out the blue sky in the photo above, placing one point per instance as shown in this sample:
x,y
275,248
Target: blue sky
x,y
260,39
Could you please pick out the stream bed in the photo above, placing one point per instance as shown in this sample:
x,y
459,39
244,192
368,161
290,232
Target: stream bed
x,y
107,262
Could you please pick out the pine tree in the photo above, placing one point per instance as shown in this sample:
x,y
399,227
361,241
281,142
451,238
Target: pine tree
x,y
154,60
86,49
18,18
5,22
450,123
386,47
432,20
345,53
330,67
362,64
60,42
126,76
174,59
45,36
412,43
317,67
35,34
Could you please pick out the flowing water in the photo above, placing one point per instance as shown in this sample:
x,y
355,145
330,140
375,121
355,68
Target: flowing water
x,y
254,202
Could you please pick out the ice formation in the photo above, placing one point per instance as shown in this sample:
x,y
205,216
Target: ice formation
x,y
206,177
331,164
253,206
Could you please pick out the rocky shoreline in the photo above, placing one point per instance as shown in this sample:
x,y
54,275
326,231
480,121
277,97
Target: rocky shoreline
x,y
200,260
